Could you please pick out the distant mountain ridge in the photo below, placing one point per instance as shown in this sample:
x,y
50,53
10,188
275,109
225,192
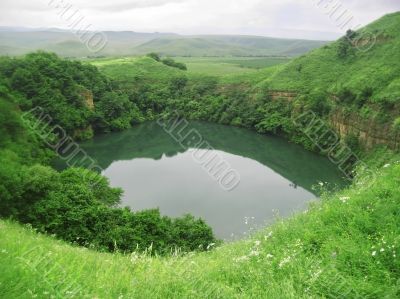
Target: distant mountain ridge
x,y
19,41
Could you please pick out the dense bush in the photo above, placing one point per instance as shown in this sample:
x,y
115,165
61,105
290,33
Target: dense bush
x,y
155,56
65,89
172,63
68,205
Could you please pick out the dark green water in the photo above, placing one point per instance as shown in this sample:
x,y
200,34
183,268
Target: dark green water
x,y
276,177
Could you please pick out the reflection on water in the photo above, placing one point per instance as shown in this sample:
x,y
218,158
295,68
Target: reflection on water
x,y
154,171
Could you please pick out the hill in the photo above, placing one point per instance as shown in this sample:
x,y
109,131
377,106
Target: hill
x,y
228,46
124,43
357,87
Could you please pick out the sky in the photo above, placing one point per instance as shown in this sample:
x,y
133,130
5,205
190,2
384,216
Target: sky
x,y
309,19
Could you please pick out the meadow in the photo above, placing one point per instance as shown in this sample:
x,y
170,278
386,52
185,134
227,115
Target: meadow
x,y
210,66
220,66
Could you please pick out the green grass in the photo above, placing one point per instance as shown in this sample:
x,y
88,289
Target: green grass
x,y
323,70
222,66
346,246
229,70
130,69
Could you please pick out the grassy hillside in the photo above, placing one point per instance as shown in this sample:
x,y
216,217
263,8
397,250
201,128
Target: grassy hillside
x,y
227,46
129,68
126,43
221,66
372,74
339,248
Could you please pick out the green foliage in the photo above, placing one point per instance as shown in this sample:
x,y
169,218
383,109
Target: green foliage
x,y
115,111
155,56
63,88
79,206
346,45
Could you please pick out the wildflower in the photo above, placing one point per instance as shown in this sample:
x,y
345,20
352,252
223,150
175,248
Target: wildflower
x,y
284,261
344,198
321,184
242,258
257,243
386,165
254,253
210,245
268,236
373,253
382,249
269,256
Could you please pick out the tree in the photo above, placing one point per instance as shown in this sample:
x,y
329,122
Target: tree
x,y
155,56
172,63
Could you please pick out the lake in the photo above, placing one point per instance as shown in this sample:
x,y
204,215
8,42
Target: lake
x,y
156,171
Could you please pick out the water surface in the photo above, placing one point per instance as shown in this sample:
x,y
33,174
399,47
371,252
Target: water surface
x,y
276,177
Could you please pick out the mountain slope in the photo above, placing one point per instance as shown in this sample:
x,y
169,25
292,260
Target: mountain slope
x,y
375,67
17,42
355,88
228,46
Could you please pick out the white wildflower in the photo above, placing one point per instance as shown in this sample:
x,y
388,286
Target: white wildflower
x,y
210,245
382,249
321,184
284,261
373,253
386,165
257,243
344,199
254,253
266,237
242,258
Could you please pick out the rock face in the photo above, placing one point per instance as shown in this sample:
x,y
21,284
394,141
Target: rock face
x,y
85,133
88,97
369,133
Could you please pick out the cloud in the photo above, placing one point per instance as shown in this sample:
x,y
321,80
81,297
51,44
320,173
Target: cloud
x,y
285,18
124,6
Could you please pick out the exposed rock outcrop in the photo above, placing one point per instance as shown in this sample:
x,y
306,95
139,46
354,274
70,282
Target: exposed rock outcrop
x,y
88,97
369,133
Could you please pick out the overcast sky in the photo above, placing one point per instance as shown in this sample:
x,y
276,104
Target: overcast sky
x,y
281,18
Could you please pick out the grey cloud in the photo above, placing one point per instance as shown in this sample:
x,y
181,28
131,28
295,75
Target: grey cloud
x,y
116,7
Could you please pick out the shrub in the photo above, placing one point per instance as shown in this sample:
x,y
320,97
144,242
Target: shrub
x,y
172,63
155,56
